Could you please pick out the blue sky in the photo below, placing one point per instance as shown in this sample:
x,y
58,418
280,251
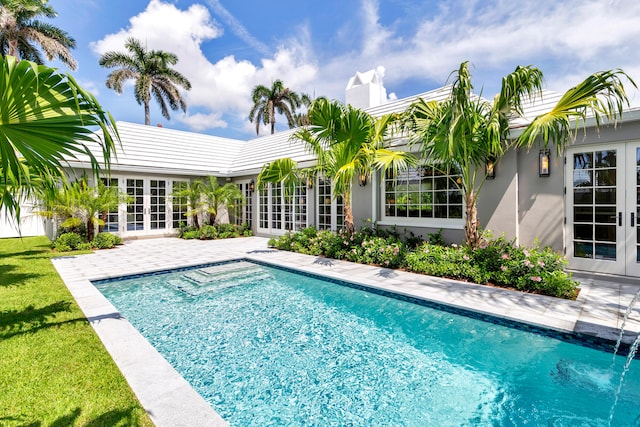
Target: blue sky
x,y
225,47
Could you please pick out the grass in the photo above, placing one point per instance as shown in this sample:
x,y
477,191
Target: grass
x,y
54,370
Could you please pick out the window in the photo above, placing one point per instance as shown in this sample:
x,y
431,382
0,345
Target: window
x,y
330,210
158,206
423,192
243,212
135,207
179,205
110,218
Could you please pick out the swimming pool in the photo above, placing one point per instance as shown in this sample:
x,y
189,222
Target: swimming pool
x,y
269,347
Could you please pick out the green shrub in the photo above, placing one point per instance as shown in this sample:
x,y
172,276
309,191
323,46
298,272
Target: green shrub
x,y
61,247
67,241
207,232
73,225
84,246
191,234
227,231
498,262
106,241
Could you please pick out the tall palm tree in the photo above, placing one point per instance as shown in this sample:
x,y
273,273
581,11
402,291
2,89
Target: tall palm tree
x,y
465,131
152,74
348,142
276,99
216,196
24,36
45,119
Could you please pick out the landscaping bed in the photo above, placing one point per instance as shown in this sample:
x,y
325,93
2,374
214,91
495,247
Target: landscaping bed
x,y
496,262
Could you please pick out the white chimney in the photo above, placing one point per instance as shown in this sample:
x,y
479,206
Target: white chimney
x,y
366,90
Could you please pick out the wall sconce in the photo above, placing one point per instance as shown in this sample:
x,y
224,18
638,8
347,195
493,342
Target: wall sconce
x,y
362,179
490,169
252,186
544,163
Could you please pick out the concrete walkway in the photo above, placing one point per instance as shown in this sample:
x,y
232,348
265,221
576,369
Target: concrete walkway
x,y
170,401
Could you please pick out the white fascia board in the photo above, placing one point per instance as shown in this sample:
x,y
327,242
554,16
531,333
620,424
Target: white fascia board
x,y
628,116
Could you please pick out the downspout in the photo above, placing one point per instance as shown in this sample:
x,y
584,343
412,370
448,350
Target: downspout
x,y
374,197
517,176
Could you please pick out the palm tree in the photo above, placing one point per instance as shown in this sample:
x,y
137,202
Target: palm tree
x,y
465,131
23,36
349,142
277,99
152,74
45,119
83,202
216,196
191,192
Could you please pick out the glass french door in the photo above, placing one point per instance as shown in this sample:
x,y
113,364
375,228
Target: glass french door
x,y
147,209
278,212
603,185
632,232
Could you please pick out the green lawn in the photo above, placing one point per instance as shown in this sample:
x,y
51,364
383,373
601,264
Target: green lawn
x,y
54,370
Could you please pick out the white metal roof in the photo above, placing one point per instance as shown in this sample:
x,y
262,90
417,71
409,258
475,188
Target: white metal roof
x,y
150,149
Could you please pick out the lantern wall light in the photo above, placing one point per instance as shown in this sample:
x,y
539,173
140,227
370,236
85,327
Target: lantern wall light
x,y
544,163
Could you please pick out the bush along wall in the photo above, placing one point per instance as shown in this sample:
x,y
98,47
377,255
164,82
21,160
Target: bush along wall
x,y
218,231
496,262
72,241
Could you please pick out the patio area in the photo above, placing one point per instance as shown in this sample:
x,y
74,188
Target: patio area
x,y
169,399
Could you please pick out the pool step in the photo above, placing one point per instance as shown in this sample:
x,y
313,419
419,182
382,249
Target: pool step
x,y
219,277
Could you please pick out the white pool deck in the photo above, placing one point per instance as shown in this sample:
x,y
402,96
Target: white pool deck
x,y
170,400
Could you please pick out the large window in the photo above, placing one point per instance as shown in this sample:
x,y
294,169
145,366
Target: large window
x,y
330,210
423,192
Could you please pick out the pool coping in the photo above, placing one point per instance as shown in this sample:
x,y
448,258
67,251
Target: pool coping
x,y
171,401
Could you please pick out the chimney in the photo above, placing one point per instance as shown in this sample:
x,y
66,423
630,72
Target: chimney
x,y
366,90
159,125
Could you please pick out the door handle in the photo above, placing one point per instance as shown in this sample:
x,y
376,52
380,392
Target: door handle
x,y
619,219
633,218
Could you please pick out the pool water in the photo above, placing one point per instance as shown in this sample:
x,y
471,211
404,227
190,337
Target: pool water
x,y
268,347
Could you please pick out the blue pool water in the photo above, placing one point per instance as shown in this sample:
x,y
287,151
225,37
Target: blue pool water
x,y
270,347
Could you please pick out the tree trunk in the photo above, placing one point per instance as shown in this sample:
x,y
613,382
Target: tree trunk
x,y
13,49
272,117
147,114
348,213
90,230
471,233
212,218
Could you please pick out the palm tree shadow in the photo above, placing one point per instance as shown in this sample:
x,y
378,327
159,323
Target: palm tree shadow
x,y
129,416
31,319
7,278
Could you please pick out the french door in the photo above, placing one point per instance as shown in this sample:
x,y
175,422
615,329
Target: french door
x,y
603,201
148,208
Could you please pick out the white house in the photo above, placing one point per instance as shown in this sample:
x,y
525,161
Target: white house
x,y
587,204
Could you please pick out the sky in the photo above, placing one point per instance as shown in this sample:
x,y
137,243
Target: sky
x,y
227,47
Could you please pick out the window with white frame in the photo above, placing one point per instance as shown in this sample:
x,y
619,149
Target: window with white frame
x,y
423,192
110,218
244,209
179,205
330,210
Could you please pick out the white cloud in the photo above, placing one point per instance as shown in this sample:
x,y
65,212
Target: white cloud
x,y
568,40
221,89
201,122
